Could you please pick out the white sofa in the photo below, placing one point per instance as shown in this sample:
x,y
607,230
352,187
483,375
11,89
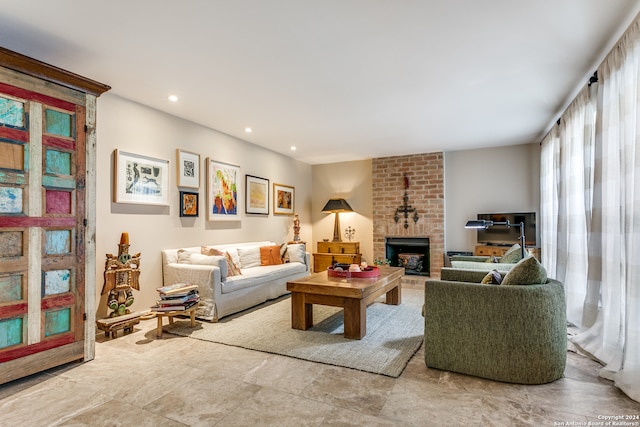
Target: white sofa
x,y
222,294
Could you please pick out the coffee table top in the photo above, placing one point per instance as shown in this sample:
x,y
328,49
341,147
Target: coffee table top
x,y
321,283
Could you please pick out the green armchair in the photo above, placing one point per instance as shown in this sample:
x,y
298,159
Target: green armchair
x,y
508,333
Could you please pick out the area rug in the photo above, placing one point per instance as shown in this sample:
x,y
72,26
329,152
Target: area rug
x,y
394,334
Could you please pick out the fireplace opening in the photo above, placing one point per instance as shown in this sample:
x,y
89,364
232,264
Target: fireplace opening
x,y
412,253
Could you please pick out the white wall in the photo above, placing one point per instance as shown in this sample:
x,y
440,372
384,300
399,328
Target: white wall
x,y
135,128
352,182
500,179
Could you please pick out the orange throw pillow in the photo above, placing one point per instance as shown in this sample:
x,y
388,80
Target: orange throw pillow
x,y
270,255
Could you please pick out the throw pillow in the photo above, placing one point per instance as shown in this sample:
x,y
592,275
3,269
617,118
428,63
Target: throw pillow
x,y
284,255
208,250
297,253
270,255
492,278
249,256
234,270
184,256
526,272
513,255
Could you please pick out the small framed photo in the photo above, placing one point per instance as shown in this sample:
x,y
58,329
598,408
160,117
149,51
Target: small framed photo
x,y
188,169
223,191
140,179
188,203
257,195
283,199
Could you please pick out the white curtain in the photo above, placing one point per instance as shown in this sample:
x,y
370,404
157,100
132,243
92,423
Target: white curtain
x,y
591,219
614,339
566,184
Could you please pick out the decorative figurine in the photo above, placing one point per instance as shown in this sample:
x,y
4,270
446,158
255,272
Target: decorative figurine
x,y
296,228
350,232
121,275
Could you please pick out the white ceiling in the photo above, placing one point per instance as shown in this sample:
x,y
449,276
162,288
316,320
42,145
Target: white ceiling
x,y
339,79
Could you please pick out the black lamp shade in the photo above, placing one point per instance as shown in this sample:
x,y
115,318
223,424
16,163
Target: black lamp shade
x,y
337,205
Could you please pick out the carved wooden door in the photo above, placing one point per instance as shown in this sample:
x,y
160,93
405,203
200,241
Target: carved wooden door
x,y
42,225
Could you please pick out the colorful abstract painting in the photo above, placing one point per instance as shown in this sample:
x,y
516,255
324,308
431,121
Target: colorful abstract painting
x,y
222,191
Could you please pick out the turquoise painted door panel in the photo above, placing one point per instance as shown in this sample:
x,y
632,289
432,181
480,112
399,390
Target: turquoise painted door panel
x,y
58,123
11,112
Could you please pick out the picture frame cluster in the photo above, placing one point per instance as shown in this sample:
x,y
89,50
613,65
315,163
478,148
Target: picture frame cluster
x,y
141,179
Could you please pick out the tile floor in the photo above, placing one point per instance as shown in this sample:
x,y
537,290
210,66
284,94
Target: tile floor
x,y
138,380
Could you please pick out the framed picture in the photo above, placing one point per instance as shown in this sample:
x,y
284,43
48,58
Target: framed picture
x,y
222,191
256,195
283,199
188,169
140,179
188,203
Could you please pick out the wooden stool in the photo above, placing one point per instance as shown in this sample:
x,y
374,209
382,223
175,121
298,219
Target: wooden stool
x,y
191,312
111,325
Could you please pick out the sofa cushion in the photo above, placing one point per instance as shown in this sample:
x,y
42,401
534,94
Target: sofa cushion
x,y
297,253
261,275
186,257
249,256
513,255
492,278
270,255
526,272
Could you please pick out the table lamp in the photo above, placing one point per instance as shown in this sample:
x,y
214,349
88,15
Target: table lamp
x,y
336,206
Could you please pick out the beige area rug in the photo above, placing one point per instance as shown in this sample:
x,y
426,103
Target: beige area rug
x,y
394,334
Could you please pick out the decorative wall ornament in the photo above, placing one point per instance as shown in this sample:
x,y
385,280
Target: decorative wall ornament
x,y
350,232
406,208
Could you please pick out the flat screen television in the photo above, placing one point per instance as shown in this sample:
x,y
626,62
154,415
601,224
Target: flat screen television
x,y
501,235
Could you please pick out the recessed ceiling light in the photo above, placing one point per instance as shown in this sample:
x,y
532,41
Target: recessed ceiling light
x,y
173,98
248,130
293,148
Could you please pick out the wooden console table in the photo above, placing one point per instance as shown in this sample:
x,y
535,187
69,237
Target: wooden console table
x,y
330,253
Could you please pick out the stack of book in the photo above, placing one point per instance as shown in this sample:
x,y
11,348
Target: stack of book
x,y
177,297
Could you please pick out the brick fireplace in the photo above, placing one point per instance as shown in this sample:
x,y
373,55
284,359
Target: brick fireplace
x,y
425,174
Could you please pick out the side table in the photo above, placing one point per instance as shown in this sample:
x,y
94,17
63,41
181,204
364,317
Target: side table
x,y
191,312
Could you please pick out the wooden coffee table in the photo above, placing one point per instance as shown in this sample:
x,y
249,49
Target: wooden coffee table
x,y
352,294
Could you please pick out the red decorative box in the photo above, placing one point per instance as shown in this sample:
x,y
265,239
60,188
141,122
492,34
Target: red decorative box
x,y
367,272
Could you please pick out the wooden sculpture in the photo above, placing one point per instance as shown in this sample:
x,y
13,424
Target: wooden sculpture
x,y
121,275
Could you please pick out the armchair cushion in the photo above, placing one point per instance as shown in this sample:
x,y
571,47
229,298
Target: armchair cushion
x,y
513,255
526,272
